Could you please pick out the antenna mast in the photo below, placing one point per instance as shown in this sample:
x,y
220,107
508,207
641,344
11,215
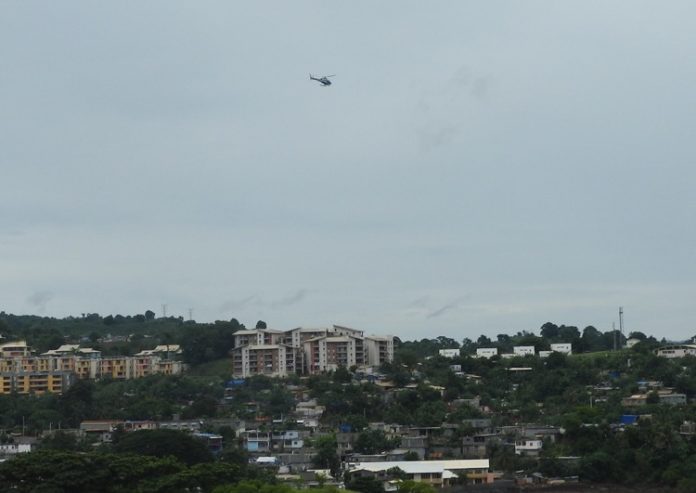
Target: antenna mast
x,y
621,328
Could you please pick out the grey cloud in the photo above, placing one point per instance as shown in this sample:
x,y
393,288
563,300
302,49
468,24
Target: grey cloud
x,y
239,304
481,87
439,135
445,111
445,308
464,79
11,235
291,299
39,299
419,302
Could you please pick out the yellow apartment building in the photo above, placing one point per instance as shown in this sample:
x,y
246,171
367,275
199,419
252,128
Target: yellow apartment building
x,y
54,370
35,382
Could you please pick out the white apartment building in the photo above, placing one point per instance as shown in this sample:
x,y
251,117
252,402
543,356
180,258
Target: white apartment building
x,y
307,350
378,350
258,337
329,353
275,360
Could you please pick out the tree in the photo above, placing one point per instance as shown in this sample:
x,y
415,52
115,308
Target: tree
x,y
468,346
342,375
591,339
484,341
406,357
76,404
326,456
410,486
261,325
365,485
599,466
549,330
447,343
149,315
374,441
51,471
163,443
199,477
637,335
61,440
569,333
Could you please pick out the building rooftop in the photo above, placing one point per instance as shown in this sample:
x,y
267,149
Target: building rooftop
x,y
422,466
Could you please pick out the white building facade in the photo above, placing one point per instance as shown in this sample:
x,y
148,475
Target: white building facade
x,y
449,353
307,350
523,351
486,352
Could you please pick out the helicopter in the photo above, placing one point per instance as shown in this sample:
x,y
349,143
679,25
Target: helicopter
x,y
323,80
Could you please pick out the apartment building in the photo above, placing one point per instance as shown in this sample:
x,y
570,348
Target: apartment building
x,y
14,349
35,382
277,360
307,350
53,371
378,350
329,353
258,337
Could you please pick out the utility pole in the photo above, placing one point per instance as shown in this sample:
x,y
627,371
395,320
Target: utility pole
x,y
190,314
621,328
613,331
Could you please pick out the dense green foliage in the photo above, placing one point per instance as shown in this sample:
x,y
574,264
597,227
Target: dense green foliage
x,y
70,472
154,397
163,443
374,442
326,456
261,487
123,335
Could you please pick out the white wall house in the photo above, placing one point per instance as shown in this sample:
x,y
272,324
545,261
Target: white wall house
x,y
528,447
435,472
449,353
564,347
523,350
15,448
486,352
676,351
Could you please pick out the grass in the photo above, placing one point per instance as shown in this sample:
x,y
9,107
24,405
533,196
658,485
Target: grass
x,y
218,368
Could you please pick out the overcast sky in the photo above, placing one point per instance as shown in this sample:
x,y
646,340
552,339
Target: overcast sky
x,y
476,167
